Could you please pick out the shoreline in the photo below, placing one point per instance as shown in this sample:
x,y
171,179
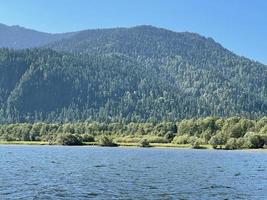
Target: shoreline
x,y
152,145
122,145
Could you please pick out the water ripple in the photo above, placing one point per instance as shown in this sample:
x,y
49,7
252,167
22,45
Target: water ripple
x,y
50,172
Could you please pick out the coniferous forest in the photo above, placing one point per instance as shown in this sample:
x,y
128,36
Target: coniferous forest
x,y
143,75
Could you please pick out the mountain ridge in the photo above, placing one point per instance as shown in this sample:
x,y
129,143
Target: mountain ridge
x,y
130,74
18,37
66,35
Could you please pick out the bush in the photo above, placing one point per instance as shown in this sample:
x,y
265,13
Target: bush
x,y
169,136
240,142
88,138
254,140
232,144
143,143
181,139
264,130
107,141
217,140
196,142
206,135
155,139
68,139
128,139
7,137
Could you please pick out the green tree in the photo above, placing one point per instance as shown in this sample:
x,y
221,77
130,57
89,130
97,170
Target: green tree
x,y
217,140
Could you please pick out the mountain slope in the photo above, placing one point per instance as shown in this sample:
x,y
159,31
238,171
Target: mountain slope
x,y
132,74
59,86
145,42
200,66
18,37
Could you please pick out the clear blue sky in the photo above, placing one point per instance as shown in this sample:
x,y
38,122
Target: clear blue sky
x,y
239,25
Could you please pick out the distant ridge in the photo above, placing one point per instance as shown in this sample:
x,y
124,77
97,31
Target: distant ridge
x,y
18,37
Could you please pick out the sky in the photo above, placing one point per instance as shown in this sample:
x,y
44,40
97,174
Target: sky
x,y
239,25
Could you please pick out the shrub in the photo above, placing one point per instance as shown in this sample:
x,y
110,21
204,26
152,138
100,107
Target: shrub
x,y
217,140
169,136
253,140
128,139
88,138
181,139
7,137
240,142
155,139
196,142
143,143
68,139
232,144
264,130
236,131
106,141
206,135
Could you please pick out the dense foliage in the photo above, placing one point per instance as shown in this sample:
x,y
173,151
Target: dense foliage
x,y
231,133
140,74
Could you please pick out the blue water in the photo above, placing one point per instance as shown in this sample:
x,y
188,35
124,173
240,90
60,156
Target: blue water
x,y
54,172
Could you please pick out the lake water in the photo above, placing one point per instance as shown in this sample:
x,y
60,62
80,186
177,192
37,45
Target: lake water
x,y
55,172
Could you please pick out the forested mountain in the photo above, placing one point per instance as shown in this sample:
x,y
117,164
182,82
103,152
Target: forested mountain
x,y
130,74
18,37
143,41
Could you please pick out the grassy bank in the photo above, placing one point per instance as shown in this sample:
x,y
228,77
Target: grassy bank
x,y
25,142
97,144
131,144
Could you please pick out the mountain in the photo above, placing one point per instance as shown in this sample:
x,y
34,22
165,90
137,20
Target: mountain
x,y
129,74
141,41
18,37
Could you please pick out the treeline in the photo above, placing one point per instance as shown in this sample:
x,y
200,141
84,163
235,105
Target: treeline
x,y
229,133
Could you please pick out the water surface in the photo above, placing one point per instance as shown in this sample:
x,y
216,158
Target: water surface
x,y
55,172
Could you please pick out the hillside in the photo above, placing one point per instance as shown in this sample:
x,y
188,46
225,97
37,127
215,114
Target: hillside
x,y
17,37
130,74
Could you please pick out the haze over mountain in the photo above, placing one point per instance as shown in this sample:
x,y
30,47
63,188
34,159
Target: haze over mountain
x,y
133,74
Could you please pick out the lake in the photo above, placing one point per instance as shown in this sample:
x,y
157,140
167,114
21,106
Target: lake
x,y
57,172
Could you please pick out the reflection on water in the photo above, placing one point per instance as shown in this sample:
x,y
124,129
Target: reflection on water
x,y
53,172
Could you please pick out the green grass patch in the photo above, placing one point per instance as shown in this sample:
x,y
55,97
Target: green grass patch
x,y
122,144
25,142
